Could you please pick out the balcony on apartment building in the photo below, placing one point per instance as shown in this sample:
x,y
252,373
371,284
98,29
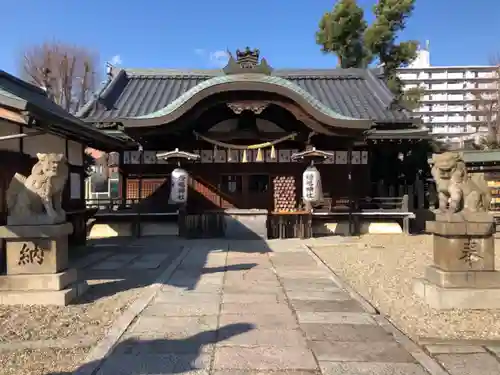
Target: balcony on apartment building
x,y
473,87
455,97
485,74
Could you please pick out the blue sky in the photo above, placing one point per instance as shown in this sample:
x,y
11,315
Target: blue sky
x,y
181,34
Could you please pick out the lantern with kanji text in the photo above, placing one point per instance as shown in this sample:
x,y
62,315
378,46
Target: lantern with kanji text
x,y
311,185
179,186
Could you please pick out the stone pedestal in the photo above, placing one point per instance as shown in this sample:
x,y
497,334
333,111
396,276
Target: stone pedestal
x,y
246,224
37,266
463,275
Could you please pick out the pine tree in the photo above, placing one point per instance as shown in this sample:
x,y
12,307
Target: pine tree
x,y
345,33
341,32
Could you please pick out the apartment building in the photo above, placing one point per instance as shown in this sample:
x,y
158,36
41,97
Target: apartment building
x,y
456,104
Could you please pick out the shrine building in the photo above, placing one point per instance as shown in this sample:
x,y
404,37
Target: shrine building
x,y
245,134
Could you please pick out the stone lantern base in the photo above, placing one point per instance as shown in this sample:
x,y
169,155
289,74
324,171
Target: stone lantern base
x,y
463,275
37,266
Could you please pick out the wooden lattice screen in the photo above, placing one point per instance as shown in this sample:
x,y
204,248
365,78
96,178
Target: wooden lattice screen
x,y
149,186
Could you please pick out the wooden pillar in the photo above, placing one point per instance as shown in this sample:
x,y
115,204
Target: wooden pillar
x,y
141,166
349,188
123,180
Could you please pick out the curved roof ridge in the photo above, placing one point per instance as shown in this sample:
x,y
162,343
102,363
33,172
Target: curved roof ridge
x,y
326,85
274,80
156,72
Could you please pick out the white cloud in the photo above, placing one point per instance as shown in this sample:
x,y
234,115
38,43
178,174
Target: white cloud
x,y
216,58
219,58
116,60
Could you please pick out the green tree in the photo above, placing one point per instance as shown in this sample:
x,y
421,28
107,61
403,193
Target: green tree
x,y
345,33
380,39
341,31
410,98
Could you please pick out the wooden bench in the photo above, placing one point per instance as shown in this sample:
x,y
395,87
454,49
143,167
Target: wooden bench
x,y
379,207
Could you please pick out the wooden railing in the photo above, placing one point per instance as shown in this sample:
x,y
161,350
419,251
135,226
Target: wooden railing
x,y
396,208
375,204
394,204
110,205
210,192
209,224
289,225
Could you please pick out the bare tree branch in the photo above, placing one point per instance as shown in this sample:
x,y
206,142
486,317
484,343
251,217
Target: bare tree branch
x,y
68,72
489,107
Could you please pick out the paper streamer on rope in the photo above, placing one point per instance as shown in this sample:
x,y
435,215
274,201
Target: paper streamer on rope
x,y
259,155
243,147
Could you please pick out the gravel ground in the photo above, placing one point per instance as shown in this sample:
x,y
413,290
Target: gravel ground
x,y
42,362
382,268
59,337
89,319
86,319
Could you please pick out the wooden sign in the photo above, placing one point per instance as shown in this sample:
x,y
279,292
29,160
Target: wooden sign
x,y
220,156
341,157
284,156
364,157
233,156
356,157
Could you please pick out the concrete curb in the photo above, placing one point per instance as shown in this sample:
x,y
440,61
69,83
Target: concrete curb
x,y
103,348
424,359
367,306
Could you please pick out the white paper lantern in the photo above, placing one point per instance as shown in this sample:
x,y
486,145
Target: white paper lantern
x,y
179,186
311,185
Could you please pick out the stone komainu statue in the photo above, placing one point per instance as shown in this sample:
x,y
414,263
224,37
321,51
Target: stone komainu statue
x,y
37,199
457,190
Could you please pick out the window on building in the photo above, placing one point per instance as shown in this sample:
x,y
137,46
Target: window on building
x,y
258,183
99,185
231,183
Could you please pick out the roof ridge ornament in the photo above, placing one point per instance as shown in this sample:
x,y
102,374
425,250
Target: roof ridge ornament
x,y
247,61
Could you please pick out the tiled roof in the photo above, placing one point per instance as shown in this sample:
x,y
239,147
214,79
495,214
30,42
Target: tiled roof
x,y
23,96
357,93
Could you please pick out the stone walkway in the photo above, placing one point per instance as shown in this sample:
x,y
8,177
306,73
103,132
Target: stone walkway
x,y
256,308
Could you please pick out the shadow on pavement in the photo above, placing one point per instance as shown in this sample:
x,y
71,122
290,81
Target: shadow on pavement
x,y
107,282
160,356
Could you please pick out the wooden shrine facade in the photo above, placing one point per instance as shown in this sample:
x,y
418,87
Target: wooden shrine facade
x,y
273,183
245,122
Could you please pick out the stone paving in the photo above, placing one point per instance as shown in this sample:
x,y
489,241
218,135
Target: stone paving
x,y
255,308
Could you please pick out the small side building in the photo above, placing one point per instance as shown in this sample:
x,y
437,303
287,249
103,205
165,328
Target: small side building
x,y
31,123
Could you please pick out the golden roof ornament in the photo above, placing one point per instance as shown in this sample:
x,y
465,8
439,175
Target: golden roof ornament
x,y
247,61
